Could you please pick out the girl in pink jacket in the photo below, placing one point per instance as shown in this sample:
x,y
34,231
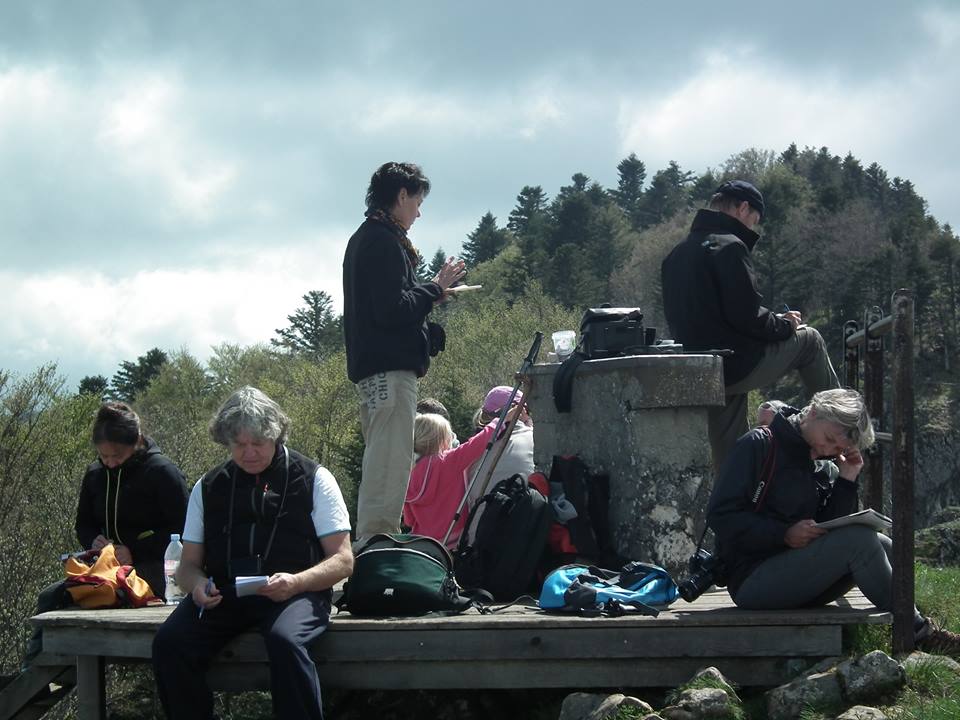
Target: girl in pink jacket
x,y
440,476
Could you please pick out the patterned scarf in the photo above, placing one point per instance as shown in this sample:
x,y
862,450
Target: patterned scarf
x,y
383,217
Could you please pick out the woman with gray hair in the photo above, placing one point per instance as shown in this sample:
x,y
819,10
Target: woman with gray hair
x,y
274,516
769,498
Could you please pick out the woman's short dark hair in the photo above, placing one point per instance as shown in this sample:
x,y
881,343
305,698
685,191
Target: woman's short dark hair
x,y
116,422
389,178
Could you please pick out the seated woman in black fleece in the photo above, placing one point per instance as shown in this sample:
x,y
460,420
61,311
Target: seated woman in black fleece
x,y
132,496
773,554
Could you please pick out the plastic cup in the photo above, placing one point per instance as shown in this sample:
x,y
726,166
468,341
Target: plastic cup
x,y
563,343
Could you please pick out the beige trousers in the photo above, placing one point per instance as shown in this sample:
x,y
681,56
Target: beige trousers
x,y
388,406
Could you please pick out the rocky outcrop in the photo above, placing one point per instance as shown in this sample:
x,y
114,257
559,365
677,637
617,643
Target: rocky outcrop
x,y
834,684
940,544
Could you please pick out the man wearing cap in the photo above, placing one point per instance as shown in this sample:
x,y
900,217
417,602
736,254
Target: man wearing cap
x,y
711,301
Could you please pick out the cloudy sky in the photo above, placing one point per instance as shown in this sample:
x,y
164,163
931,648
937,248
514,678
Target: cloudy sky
x,y
178,174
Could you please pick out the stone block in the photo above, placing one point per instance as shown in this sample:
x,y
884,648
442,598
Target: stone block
x,y
643,420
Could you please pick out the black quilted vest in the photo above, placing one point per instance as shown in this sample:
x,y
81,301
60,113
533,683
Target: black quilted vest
x,y
256,502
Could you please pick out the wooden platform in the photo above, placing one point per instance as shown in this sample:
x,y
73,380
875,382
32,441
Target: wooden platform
x,y
520,647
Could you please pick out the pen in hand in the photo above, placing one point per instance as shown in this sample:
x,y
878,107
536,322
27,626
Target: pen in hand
x,y
206,591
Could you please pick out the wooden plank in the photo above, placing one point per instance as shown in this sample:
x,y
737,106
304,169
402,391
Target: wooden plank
x,y
710,609
512,675
48,659
98,641
91,690
530,644
25,686
535,645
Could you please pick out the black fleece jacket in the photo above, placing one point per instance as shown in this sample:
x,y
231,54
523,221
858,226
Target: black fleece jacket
x,y
710,296
137,504
384,307
799,489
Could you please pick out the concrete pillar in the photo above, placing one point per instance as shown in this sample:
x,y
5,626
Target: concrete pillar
x,y
643,420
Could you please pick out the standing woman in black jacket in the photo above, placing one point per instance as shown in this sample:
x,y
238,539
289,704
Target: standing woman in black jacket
x,y
132,496
388,340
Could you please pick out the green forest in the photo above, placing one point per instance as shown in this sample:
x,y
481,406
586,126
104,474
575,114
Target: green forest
x,y
838,237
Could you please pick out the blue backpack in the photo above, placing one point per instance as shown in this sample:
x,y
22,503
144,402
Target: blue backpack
x,y
591,590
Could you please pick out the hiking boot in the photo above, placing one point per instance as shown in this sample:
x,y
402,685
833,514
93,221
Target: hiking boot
x,y
935,640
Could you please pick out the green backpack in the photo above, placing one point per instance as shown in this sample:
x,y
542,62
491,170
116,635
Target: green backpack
x,y
403,575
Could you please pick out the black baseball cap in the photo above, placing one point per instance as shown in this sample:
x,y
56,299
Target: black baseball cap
x,y
744,191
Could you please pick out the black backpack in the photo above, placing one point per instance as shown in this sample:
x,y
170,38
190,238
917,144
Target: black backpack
x,y
504,540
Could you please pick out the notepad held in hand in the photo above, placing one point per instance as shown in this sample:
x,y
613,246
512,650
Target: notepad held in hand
x,y
868,517
249,584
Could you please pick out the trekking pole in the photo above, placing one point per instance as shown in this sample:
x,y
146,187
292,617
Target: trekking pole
x,y
528,362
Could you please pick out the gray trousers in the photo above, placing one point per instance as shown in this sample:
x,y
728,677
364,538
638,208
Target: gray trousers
x,y
823,571
805,351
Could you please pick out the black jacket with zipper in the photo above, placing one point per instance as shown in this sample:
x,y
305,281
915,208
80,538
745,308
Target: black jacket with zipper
x,y
747,535
710,296
138,504
385,307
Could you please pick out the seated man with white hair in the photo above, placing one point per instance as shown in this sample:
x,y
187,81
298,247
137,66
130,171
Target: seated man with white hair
x,y
267,511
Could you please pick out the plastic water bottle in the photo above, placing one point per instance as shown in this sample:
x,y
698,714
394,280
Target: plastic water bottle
x,y
171,561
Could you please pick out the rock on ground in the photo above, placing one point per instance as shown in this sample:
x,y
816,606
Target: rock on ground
x,y
871,677
699,704
593,706
862,712
918,658
818,689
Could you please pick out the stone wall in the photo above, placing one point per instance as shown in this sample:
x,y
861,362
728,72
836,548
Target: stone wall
x,y
643,420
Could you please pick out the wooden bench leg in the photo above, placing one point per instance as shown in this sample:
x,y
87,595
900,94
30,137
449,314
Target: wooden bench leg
x,y
91,690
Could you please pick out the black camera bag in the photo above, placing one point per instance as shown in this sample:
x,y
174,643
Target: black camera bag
x,y
607,331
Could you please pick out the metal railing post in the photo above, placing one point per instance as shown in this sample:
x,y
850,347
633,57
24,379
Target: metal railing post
x,y
903,472
873,397
851,357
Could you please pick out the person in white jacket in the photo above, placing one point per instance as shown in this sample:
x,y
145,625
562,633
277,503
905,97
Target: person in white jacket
x,y
517,457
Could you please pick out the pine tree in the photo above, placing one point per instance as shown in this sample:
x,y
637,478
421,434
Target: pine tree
x,y
531,203
314,330
667,193
439,258
877,186
93,385
484,242
629,192
134,377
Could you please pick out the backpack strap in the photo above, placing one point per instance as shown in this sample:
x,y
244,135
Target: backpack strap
x,y
766,476
766,470
563,381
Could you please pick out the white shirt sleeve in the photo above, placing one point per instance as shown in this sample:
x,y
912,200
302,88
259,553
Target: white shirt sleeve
x,y
193,525
329,513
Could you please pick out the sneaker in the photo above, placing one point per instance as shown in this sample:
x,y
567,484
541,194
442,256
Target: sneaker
x,y
935,640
